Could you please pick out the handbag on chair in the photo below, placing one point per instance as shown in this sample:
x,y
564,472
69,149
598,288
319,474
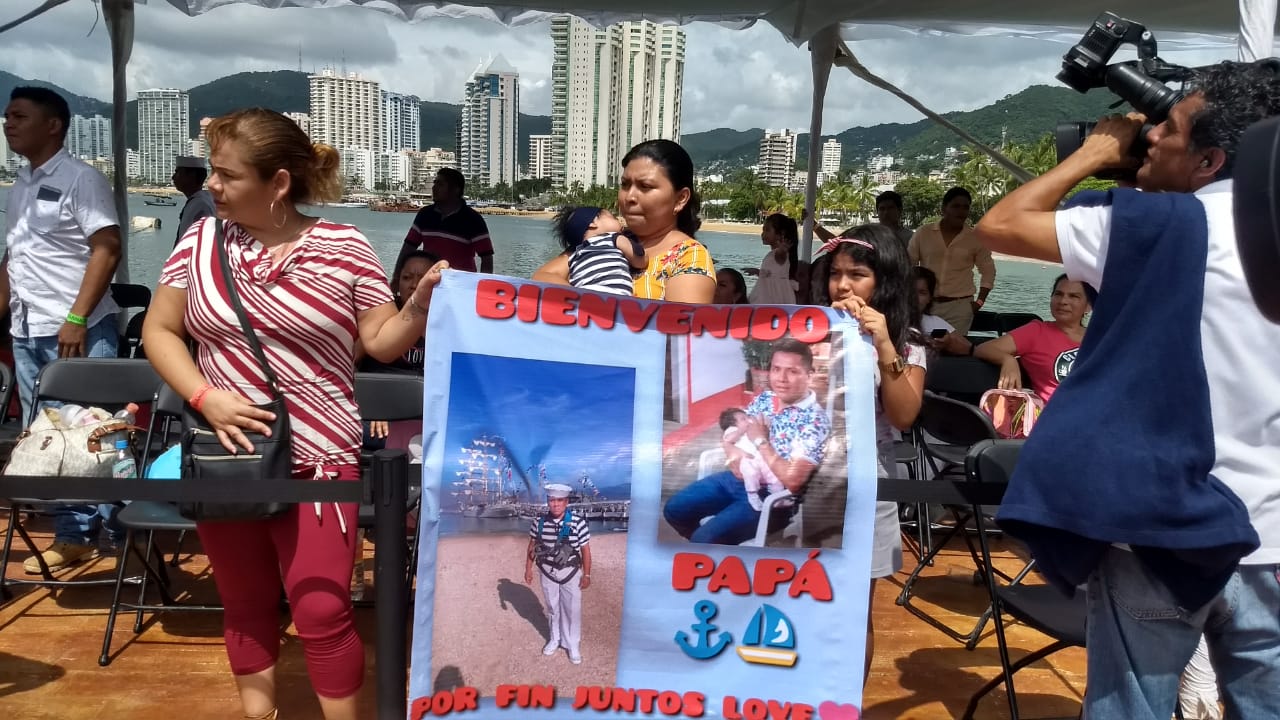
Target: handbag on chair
x,y
1013,412
205,460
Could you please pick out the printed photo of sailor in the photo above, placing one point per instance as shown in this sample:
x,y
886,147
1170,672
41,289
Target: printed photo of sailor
x,y
534,505
754,441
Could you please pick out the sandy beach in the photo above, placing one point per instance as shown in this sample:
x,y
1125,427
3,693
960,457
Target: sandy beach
x,y
490,627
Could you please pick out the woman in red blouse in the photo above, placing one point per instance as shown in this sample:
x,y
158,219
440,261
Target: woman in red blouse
x,y
1046,350
311,289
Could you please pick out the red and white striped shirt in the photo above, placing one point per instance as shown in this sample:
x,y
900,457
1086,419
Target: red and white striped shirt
x,y
303,312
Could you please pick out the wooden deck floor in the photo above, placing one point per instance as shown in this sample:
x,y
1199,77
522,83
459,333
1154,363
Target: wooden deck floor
x,y
50,643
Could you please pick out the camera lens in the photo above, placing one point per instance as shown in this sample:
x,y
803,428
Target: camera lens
x,y
1147,95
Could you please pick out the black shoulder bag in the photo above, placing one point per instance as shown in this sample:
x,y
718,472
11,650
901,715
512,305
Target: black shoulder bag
x,y
205,460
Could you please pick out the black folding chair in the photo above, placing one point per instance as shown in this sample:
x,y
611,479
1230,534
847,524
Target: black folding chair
x,y
1041,607
391,397
10,428
109,383
961,378
131,297
985,321
148,517
1009,322
947,429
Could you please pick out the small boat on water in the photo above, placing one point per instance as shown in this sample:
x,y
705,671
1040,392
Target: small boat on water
x,y
160,201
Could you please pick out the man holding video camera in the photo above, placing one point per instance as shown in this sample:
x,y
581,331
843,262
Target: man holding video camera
x,y
1171,416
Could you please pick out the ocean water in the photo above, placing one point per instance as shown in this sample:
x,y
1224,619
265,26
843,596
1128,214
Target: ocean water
x,y
522,244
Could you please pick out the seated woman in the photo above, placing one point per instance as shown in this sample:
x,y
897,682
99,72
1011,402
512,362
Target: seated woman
x,y
414,266
942,337
1046,350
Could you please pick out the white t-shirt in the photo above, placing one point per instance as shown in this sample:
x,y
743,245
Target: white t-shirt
x,y
1239,347
52,211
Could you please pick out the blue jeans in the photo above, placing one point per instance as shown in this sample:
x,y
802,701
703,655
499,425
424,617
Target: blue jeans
x,y
1139,642
76,524
723,498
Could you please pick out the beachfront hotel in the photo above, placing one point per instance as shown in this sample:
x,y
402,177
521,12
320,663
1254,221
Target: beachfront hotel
x,y
164,132
611,89
489,128
346,110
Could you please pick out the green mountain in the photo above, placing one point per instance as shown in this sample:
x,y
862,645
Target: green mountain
x,y
80,105
1022,117
281,90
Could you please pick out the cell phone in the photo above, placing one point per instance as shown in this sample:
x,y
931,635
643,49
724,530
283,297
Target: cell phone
x,y
938,334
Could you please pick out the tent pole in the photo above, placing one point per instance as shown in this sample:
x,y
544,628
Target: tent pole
x,y
822,50
119,17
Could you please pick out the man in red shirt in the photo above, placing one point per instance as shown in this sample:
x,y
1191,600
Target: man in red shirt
x,y
449,228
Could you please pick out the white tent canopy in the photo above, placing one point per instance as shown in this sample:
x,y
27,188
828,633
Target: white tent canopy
x,y
825,25
800,20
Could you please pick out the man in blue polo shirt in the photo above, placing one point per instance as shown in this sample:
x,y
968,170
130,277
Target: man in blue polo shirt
x,y
449,228
62,248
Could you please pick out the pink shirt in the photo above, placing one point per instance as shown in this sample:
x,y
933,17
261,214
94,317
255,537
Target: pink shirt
x,y
1046,353
304,314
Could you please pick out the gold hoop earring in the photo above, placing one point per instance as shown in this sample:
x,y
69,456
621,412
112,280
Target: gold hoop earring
x,y
272,212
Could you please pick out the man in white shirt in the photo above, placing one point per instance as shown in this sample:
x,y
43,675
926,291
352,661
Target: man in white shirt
x,y
1140,638
189,176
62,248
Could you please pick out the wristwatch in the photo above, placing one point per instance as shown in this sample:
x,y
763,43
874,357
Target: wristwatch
x,y
895,366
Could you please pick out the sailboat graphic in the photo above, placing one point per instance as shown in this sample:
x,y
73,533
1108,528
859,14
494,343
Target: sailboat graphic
x,y
770,639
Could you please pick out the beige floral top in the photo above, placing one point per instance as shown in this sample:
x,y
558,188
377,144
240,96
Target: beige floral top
x,y
687,258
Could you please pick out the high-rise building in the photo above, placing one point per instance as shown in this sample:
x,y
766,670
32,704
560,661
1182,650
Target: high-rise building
x,y
777,161
393,171
346,110
132,164
831,156
302,119
401,127
425,164
5,154
539,156
89,137
203,138
611,89
164,132
488,131
359,167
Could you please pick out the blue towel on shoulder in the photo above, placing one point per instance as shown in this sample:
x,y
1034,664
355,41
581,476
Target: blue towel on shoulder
x,y
1124,452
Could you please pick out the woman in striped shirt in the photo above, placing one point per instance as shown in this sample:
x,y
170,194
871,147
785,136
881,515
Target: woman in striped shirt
x,y
311,289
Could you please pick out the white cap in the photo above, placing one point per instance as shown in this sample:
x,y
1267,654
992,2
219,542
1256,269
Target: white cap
x,y
558,491
188,161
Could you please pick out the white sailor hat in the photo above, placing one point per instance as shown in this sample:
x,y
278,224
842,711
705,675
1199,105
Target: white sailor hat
x,y
188,161
558,490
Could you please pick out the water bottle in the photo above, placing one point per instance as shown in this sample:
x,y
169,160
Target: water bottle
x,y
129,414
125,466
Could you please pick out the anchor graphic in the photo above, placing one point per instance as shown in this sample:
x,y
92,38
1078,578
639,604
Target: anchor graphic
x,y
704,648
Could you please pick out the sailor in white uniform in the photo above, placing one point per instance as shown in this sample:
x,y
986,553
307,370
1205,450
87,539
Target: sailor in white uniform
x,y
559,549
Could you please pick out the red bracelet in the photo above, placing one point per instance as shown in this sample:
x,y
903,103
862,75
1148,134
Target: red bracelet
x,y
197,399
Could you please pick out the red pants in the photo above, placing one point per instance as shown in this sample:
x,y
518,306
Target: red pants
x,y
315,559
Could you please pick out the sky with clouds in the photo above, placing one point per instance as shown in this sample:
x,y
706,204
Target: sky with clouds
x,y
733,78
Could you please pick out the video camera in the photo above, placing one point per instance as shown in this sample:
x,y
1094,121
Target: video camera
x,y
1139,82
